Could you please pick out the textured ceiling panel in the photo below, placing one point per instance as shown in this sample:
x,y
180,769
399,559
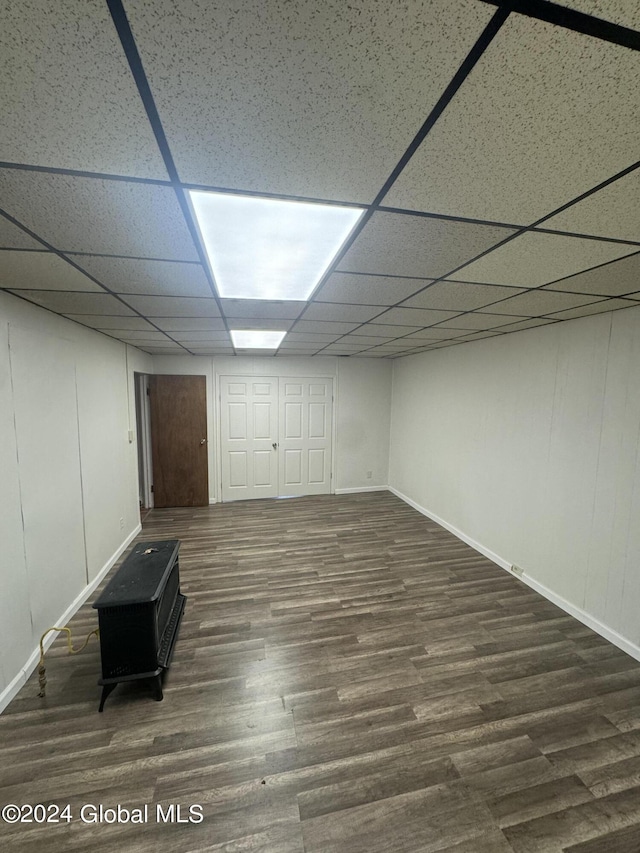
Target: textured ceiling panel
x,y
458,296
533,259
478,321
113,325
302,98
173,306
280,325
382,330
594,308
153,278
77,303
367,289
327,311
202,337
415,316
68,98
612,279
241,308
12,237
101,217
394,244
544,116
537,302
189,324
315,327
41,271
611,212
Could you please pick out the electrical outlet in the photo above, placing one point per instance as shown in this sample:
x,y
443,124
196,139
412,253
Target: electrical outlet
x,y
122,524
517,570
369,475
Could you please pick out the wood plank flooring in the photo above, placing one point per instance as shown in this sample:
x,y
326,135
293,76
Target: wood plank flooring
x,y
349,677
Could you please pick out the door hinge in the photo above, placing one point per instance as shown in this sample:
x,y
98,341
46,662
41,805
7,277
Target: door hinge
x,y
148,391
151,488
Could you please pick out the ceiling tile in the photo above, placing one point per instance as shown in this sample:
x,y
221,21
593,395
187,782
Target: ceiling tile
x,y
478,321
261,308
42,271
248,323
395,245
111,324
534,259
382,330
161,340
368,289
329,311
523,324
297,345
173,306
307,98
100,217
309,338
189,324
622,12
367,340
139,336
12,237
319,327
611,212
212,347
537,302
76,303
202,337
290,352
458,296
545,115
153,350
436,333
594,308
155,278
613,279
415,316
69,99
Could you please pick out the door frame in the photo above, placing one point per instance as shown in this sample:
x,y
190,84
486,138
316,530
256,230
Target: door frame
x,y
217,415
143,435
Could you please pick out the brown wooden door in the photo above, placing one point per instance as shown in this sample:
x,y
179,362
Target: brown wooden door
x,y
179,440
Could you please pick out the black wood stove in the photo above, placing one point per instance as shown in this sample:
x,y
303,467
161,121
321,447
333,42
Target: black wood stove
x,y
139,614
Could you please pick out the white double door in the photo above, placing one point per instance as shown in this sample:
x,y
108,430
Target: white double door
x,y
275,436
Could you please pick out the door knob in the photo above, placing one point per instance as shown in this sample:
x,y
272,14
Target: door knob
x,y
275,445
203,441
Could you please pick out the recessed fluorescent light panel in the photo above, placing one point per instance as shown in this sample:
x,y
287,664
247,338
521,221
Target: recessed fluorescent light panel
x,y
263,248
256,339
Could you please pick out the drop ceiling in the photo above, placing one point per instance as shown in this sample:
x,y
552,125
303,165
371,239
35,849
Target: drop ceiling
x,y
492,145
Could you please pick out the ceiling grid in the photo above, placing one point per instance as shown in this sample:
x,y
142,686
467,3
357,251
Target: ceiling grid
x,y
492,146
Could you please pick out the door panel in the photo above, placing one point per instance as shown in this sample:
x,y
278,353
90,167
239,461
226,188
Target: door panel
x,y
179,440
305,436
249,429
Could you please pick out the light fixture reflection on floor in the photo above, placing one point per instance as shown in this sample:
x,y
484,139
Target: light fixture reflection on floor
x,y
264,248
256,338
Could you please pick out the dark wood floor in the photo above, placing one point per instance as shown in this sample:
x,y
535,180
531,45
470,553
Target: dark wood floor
x,y
349,677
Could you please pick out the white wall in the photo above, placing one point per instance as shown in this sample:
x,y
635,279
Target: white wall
x,y
69,473
529,446
362,400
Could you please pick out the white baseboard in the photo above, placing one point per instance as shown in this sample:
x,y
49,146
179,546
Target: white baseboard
x,y
358,489
15,685
573,610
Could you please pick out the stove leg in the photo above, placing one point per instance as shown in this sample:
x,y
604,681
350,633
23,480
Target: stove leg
x,y
157,688
106,690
